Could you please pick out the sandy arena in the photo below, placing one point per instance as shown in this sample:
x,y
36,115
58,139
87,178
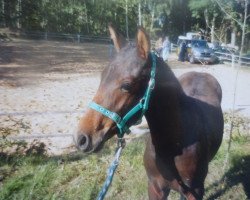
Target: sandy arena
x,y
45,87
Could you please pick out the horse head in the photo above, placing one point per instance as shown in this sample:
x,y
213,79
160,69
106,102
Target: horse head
x,y
123,84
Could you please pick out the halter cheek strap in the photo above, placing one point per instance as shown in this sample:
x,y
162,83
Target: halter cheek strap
x,y
141,106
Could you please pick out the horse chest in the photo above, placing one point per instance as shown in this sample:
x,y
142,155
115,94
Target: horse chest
x,y
168,171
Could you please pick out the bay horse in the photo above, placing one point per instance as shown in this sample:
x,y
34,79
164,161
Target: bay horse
x,y
184,117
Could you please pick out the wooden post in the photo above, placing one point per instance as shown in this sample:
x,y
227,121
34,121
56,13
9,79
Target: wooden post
x,y
78,38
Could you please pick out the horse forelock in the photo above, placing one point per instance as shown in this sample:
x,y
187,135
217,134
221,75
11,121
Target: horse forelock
x,y
126,64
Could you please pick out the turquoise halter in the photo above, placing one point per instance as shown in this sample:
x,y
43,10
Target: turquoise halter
x,y
121,122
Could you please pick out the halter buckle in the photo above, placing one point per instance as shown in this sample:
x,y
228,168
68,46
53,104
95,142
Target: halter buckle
x,y
151,84
142,101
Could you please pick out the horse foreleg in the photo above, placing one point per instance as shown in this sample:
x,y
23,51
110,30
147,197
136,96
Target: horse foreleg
x,y
155,192
194,194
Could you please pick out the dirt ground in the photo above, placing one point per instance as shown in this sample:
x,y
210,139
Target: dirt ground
x,y
45,87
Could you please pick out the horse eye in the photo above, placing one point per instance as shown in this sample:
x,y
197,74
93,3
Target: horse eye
x,y
126,87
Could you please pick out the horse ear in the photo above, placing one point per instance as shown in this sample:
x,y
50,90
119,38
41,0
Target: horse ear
x,y
143,43
118,39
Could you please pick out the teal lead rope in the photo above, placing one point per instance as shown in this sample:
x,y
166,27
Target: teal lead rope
x,y
111,170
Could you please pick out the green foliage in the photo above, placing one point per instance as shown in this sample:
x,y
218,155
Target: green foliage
x,y
205,8
197,6
91,17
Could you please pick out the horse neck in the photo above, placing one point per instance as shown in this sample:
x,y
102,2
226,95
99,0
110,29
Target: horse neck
x,y
163,115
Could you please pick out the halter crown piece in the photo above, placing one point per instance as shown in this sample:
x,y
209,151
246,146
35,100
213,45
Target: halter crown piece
x,y
121,122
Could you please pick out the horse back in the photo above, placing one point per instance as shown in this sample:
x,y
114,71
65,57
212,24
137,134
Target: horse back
x,y
202,86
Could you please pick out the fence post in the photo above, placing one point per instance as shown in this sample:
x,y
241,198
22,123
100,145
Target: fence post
x,y
233,60
46,36
78,38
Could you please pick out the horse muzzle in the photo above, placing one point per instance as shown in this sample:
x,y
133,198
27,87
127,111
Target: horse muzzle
x,y
83,143
92,143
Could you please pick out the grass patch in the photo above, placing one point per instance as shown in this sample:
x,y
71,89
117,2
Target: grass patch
x,y
74,176
80,176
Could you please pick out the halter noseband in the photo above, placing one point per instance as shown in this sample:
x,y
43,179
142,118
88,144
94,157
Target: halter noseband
x,y
141,106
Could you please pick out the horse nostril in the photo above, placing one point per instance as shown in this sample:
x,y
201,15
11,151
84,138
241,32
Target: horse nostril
x,y
83,142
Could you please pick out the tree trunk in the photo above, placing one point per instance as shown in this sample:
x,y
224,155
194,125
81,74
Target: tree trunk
x,y
233,37
87,18
207,20
19,10
139,14
243,30
152,18
233,33
213,29
3,13
127,19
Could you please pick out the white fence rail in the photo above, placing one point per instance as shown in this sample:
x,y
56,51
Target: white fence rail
x,y
233,58
62,36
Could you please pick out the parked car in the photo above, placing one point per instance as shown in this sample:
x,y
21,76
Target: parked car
x,y
200,52
197,50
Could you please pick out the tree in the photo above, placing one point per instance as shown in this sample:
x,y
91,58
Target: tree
x,y
170,17
239,13
208,12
